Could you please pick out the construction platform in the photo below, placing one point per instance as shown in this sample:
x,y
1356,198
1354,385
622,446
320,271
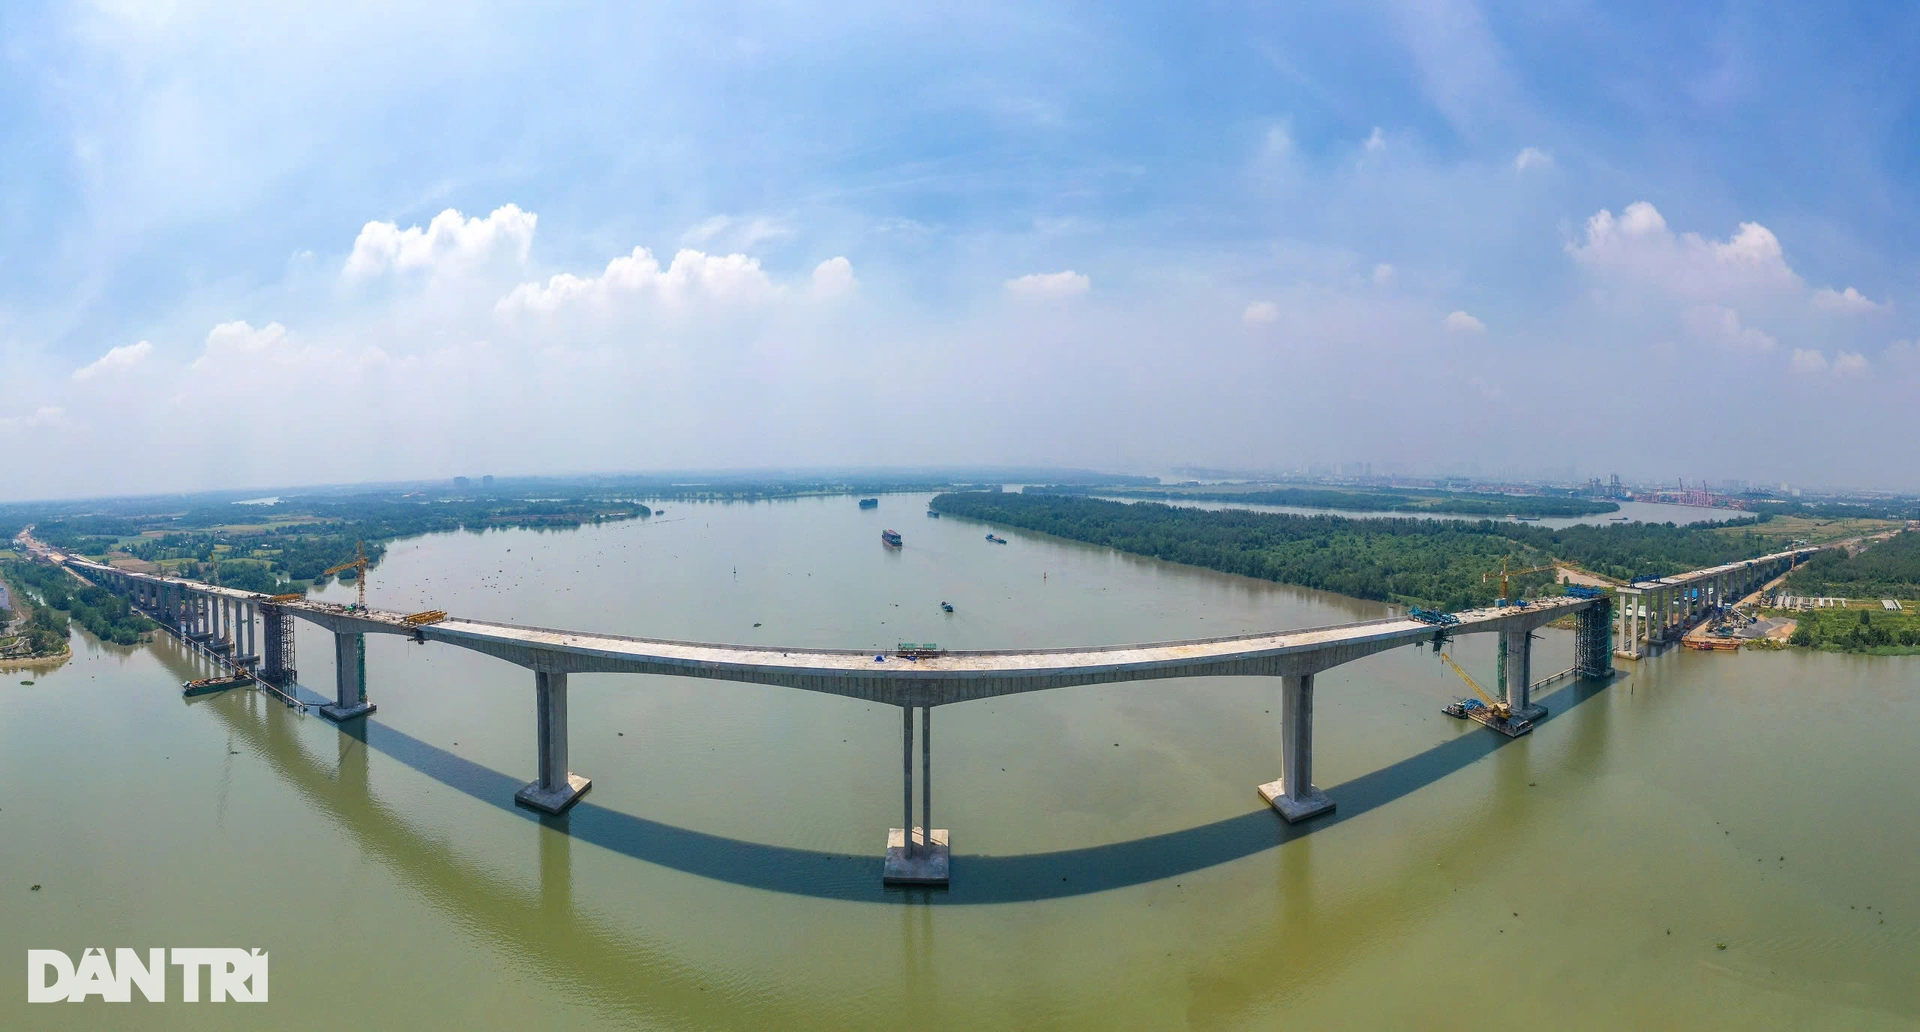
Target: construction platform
x,y
1480,713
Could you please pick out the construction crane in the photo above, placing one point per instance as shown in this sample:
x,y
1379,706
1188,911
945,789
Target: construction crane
x,y
1498,706
1496,713
358,564
1505,573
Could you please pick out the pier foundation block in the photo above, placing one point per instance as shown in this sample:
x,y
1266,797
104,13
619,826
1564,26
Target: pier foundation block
x,y
925,864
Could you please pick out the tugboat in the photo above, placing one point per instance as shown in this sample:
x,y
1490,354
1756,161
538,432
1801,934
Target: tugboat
x,y
891,538
869,503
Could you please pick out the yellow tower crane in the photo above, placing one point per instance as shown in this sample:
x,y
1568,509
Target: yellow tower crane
x,y
1504,573
358,564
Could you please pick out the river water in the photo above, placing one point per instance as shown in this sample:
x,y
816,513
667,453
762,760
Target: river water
x,y
1114,867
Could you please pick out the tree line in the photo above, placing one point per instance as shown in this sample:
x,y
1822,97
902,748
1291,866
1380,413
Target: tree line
x,y
1435,563
1889,569
105,615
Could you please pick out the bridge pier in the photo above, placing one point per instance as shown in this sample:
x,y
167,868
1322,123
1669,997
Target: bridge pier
x,y
1294,795
1593,642
349,675
1519,650
277,666
917,855
558,788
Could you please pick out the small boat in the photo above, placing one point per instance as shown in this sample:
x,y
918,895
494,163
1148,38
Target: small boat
x,y
996,540
869,503
891,537
948,606
932,513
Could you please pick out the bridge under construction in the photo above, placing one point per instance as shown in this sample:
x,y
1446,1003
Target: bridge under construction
x,y
223,622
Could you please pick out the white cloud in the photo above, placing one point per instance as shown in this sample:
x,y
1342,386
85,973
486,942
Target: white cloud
x,y
45,415
694,275
1638,246
117,360
1382,274
740,234
1848,363
1532,157
1808,361
449,242
1376,141
239,339
1904,354
1277,144
833,277
1044,285
1461,322
1721,327
1849,300
1260,313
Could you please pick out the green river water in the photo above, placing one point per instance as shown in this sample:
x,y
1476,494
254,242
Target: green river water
x,y
1113,867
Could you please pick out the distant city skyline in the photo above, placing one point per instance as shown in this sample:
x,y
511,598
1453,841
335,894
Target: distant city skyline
x,y
250,246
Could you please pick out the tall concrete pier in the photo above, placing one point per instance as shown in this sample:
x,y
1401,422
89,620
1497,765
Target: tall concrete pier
x,y
557,788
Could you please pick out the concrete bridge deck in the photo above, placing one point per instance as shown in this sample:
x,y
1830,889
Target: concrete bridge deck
x,y
915,854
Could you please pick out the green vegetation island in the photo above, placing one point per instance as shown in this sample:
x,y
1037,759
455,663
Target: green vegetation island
x,y
1407,500
285,546
1425,562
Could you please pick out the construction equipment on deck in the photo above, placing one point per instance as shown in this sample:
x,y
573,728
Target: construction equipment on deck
x,y
1494,713
1432,617
291,597
431,616
358,564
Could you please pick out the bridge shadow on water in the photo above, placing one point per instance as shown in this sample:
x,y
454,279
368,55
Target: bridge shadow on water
x,y
976,879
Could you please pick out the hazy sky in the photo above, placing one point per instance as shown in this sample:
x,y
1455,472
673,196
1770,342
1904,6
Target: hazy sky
x,y
250,246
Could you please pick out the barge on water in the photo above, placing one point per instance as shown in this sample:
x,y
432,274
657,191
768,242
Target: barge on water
x,y
869,503
1480,712
209,685
891,538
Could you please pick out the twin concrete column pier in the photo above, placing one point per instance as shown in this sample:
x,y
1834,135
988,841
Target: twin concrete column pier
x,y
349,678
1519,650
919,855
1294,795
558,788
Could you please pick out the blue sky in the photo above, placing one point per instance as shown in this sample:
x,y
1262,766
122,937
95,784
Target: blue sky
x,y
1668,243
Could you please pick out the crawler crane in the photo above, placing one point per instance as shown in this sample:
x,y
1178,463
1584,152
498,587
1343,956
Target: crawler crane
x,y
1494,713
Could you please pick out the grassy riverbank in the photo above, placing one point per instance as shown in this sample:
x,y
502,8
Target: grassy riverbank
x,y
105,615
1416,561
1882,633
29,631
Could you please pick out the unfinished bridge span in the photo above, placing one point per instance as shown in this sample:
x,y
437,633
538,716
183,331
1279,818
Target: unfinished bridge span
x,y
223,621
